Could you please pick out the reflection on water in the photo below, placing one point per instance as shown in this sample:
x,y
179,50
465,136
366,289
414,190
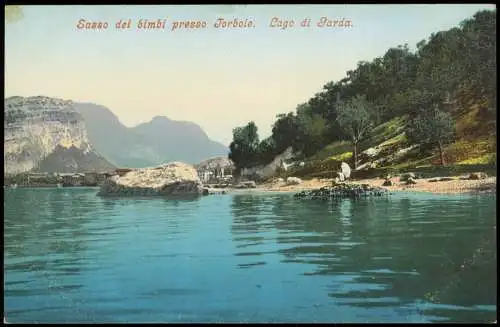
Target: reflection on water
x,y
71,256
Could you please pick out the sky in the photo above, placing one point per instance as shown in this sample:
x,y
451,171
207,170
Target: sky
x,y
217,78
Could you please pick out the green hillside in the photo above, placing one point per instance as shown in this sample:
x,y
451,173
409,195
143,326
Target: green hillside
x,y
432,111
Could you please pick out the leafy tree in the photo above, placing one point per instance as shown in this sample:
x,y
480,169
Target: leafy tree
x,y
433,127
355,118
266,150
479,57
285,131
458,65
311,131
244,147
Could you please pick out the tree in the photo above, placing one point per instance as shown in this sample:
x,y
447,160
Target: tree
x,y
433,127
458,64
355,118
244,147
285,131
266,151
479,38
311,131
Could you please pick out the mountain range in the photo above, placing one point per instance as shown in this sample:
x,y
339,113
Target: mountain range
x,y
157,141
54,135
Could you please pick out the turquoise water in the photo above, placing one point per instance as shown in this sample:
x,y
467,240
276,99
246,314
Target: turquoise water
x,y
71,256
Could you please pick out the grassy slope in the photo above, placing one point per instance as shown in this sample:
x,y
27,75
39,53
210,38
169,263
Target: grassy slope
x,y
473,150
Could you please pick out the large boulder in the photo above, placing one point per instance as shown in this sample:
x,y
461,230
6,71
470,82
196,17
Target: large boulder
x,y
174,178
339,178
346,170
246,184
250,184
411,181
406,176
387,182
476,176
371,152
293,181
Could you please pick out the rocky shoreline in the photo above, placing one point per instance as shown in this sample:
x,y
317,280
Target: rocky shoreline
x,y
181,179
371,187
445,185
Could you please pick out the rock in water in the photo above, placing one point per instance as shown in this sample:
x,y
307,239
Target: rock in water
x,y
342,191
346,170
174,178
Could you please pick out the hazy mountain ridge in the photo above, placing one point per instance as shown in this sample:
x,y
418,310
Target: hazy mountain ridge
x,y
157,141
73,159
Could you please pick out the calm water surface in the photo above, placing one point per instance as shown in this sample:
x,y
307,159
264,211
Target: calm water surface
x,y
71,256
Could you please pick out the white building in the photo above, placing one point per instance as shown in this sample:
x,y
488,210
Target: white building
x,y
214,169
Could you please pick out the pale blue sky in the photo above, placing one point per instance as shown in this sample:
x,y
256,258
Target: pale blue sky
x,y
219,79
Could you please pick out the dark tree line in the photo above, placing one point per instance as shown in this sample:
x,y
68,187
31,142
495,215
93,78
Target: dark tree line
x,y
449,71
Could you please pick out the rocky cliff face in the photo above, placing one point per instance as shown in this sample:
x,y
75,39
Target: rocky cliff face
x,y
268,170
35,127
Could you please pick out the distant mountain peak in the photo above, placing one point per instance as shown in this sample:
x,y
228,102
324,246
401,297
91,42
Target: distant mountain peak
x,y
159,140
165,120
160,118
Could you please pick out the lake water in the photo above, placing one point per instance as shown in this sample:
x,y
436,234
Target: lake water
x,y
71,256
